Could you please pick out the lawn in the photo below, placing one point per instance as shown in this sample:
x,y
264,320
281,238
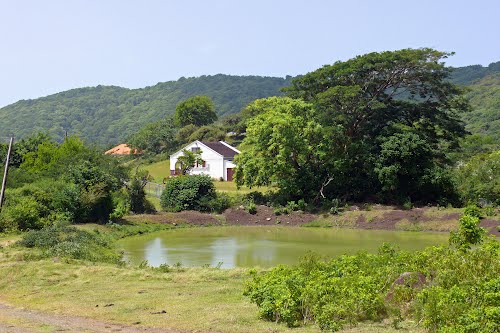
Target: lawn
x,y
160,170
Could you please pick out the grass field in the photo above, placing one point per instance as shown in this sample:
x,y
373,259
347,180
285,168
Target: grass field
x,y
160,170
201,299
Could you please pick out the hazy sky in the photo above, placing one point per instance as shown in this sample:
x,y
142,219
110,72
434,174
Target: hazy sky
x,y
54,45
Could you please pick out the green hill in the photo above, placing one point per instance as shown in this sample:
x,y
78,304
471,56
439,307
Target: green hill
x,y
484,96
107,115
469,74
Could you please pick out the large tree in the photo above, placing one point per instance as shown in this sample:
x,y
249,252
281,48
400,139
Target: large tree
x,y
357,112
197,110
155,137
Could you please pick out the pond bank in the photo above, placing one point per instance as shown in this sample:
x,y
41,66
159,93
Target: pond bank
x,y
376,217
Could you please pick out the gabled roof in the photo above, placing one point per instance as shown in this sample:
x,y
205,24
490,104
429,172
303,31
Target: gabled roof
x,y
222,148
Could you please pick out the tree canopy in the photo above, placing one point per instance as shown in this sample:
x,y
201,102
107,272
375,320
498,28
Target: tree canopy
x,y
107,115
197,110
378,124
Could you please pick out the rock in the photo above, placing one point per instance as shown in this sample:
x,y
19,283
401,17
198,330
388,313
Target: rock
x,y
159,312
268,219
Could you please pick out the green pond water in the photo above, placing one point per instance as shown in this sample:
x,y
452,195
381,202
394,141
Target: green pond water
x,y
262,246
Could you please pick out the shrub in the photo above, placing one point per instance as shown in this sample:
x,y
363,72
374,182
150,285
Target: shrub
x,y
188,193
479,178
462,297
70,242
137,195
257,198
469,233
302,205
473,210
252,208
220,203
292,206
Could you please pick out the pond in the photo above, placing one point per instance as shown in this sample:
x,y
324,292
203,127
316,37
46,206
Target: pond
x,y
229,247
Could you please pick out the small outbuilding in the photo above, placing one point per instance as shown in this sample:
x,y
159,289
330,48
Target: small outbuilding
x,y
217,159
121,149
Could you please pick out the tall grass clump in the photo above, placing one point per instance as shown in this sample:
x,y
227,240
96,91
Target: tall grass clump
x,y
71,243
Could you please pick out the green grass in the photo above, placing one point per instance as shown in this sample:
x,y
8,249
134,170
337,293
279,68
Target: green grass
x,y
195,299
160,170
7,239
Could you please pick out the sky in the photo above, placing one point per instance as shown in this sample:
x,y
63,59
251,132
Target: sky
x,y
54,45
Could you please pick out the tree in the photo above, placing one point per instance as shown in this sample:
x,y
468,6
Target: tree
x,y
286,147
354,112
188,160
479,178
138,201
208,133
198,110
155,137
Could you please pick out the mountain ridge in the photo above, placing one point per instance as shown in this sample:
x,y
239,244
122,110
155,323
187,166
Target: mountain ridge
x,y
122,111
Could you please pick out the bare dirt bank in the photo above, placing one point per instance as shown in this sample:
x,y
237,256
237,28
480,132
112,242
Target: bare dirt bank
x,y
377,217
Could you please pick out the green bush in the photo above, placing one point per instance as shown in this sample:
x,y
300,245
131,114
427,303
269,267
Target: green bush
x,y
220,203
70,242
252,208
292,206
469,233
473,210
257,197
188,193
479,179
461,292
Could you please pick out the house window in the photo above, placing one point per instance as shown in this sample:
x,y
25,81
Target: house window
x,y
201,165
196,149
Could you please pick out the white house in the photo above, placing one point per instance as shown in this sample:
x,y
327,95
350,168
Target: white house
x,y
217,160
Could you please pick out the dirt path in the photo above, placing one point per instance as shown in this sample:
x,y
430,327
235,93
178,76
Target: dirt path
x,y
16,320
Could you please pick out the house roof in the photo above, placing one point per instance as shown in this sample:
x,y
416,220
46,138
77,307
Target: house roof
x,y
121,149
221,148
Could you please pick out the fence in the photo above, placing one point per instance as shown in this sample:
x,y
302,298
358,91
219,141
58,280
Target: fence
x,y
154,189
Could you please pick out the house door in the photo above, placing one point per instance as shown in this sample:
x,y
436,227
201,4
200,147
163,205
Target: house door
x,y
230,172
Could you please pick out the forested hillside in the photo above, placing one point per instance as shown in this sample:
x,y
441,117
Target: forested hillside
x,y
106,114
468,74
485,100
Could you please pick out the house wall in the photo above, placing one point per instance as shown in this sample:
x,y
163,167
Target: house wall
x,y
214,166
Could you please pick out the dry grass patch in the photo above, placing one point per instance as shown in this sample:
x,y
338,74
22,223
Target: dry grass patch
x,y
191,299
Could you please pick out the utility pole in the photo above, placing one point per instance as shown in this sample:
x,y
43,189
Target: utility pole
x,y
5,171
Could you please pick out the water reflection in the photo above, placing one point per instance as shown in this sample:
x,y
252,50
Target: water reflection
x,y
262,246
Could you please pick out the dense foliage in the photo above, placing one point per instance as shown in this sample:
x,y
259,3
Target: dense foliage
x,y
51,182
478,179
197,110
468,74
484,117
155,138
188,193
108,115
72,243
378,124
446,289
